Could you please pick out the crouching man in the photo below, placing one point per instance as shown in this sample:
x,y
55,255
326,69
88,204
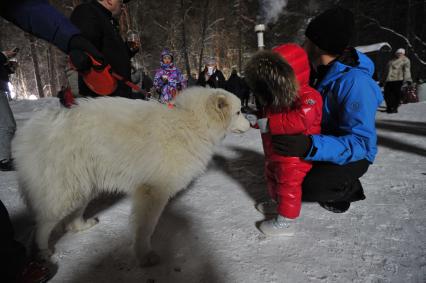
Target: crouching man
x,y
346,146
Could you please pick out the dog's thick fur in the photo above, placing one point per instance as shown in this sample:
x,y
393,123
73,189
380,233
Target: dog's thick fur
x,y
66,157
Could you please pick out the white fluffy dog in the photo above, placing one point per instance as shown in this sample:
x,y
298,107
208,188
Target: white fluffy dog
x,y
66,157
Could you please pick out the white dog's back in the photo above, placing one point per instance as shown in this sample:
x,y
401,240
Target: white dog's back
x,y
65,157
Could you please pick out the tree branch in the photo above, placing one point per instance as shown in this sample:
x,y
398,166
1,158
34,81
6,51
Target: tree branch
x,y
397,34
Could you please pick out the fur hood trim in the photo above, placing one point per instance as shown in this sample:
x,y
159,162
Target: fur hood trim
x,y
272,80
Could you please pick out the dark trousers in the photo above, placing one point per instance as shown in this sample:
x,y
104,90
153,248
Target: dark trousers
x,y
328,182
12,253
393,95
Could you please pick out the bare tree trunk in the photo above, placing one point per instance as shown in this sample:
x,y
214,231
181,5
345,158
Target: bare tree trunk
x,y
203,33
408,21
240,36
36,66
51,60
357,12
184,44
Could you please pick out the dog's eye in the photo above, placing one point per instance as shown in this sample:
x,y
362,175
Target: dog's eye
x,y
239,112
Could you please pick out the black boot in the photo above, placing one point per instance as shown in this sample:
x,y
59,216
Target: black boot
x,y
336,207
7,165
353,191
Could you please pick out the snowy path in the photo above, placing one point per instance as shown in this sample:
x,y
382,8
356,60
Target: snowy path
x,y
208,233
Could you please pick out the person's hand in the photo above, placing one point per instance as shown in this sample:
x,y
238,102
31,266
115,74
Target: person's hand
x,y
78,50
165,79
297,145
9,53
134,46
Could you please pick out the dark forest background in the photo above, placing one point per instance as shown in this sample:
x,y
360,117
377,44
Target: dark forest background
x,y
223,29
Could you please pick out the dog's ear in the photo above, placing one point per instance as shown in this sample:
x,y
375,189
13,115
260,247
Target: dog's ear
x,y
221,101
219,109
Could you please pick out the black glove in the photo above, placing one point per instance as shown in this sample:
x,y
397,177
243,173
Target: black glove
x,y
297,145
77,49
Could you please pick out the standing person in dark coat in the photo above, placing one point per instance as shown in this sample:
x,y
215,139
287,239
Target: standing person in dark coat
x,y
141,79
245,95
234,84
211,76
7,120
98,22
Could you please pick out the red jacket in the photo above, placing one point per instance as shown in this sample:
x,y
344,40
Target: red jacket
x,y
285,174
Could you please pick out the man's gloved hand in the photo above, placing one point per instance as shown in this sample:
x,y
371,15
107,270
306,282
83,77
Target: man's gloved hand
x,y
78,48
297,145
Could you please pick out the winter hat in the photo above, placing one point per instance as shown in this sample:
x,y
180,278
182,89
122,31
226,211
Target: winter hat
x,y
331,30
166,52
400,51
211,61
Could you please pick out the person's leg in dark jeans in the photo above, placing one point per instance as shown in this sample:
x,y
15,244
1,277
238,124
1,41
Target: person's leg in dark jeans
x,y
333,185
15,266
393,96
12,253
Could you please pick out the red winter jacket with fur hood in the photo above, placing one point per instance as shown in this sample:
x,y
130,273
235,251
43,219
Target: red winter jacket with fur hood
x,y
292,107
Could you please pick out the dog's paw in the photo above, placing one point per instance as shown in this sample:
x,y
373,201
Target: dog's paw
x,y
149,259
80,224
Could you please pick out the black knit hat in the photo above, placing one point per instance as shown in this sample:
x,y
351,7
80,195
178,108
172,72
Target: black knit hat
x,y
332,30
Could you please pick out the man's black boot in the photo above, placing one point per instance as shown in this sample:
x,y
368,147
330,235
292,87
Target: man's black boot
x,y
6,165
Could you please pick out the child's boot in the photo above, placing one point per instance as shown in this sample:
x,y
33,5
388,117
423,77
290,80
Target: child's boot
x,y
278,226
268,207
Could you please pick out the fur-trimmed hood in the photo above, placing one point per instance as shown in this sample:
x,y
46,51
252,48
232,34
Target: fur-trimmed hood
x,y
275,76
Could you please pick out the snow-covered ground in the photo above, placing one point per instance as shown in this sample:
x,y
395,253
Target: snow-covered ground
x,y
208,233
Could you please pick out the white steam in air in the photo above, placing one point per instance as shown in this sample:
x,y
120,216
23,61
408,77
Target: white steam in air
x,y
271,10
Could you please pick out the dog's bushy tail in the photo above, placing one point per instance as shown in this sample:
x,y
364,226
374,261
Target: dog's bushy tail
x,y
272,80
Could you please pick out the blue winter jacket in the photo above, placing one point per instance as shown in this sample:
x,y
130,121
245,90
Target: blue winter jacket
x,y
350,101
39,18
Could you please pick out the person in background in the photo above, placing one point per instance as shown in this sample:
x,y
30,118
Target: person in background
x,y
211,76
397,74
140,78
245,96
98,22
192,80
234,84
39,18
279,79
347,145
7,120
168,80
147,82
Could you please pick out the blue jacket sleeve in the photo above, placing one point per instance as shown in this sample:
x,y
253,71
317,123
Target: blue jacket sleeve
x,y
355,138
40,19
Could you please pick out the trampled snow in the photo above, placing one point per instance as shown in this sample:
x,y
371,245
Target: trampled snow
x,y
208,232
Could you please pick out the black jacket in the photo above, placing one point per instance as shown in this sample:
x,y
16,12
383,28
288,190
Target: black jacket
x,y
217,80
102,30
235,85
